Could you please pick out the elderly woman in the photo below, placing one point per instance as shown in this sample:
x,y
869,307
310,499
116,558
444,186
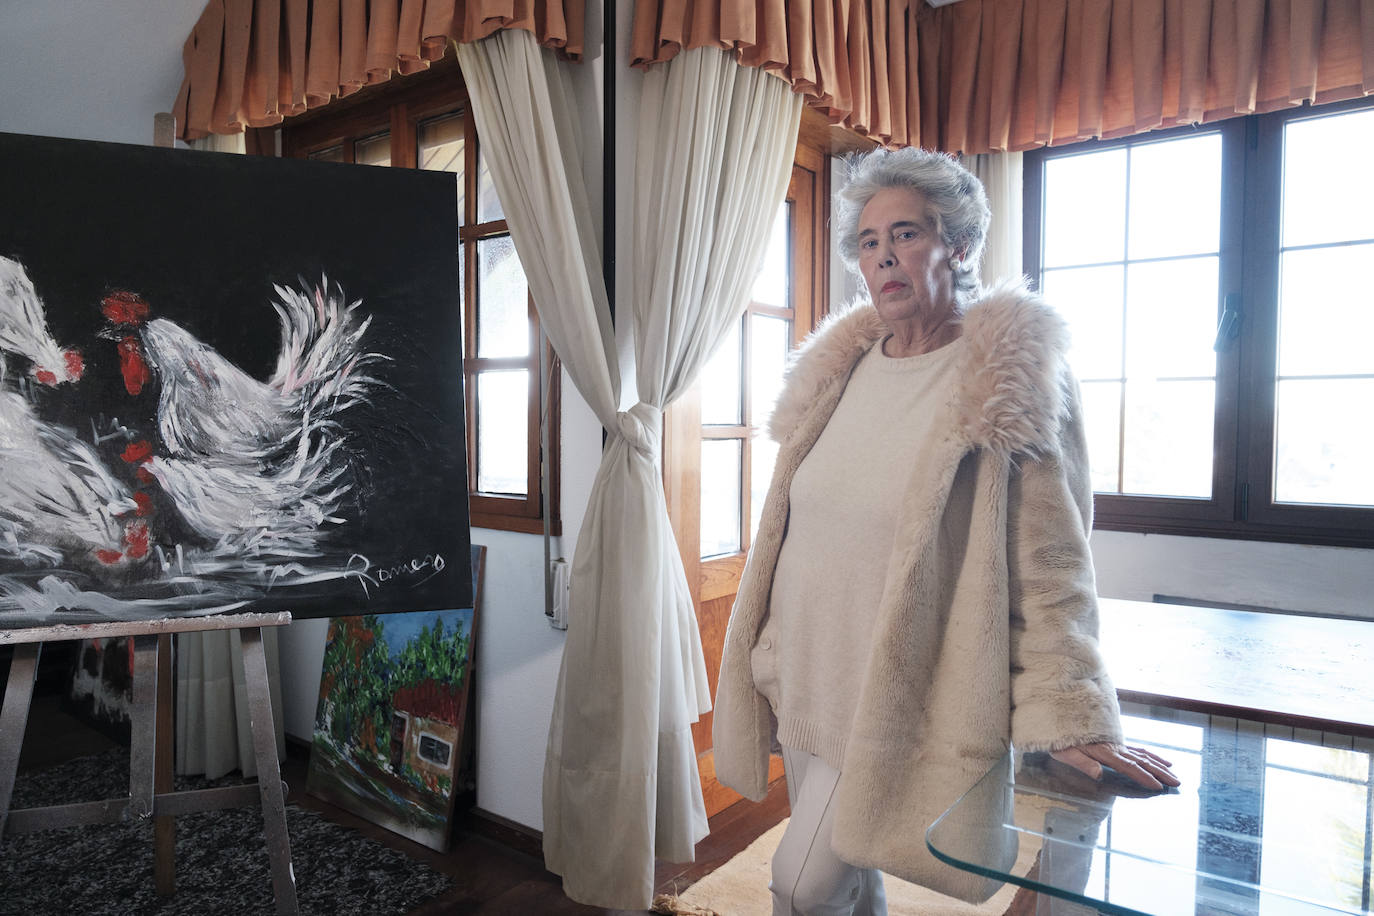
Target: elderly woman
x,y
920,593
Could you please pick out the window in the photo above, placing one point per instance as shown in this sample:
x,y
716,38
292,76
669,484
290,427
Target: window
x,y
1211,280
435,750
424,122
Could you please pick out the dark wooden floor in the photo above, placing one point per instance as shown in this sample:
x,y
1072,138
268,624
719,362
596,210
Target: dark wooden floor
x,y
496,869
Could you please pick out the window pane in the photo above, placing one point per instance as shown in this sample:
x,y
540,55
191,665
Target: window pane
x,y
1089,298
1102,417
722,383
773,285
1323,201
439,144
1314,840
1171,319
1323,442
1325,322
373,151
332,154
763,455
1168,441
1176,197
488,204
503,319
1085,209
720,496
502,430
769,339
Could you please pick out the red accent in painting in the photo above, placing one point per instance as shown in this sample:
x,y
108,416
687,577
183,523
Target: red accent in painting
x,y
144,476
76,366
145,504
123,307
108,557
133,366
136,452
136,536
45,377
428,699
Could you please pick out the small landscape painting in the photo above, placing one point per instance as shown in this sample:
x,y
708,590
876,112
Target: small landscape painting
x,y
227,383
389,729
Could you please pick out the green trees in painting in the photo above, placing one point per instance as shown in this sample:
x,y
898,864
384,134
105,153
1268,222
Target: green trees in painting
x,y
360,678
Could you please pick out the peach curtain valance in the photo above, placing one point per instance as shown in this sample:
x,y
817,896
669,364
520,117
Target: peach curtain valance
x,y
992,75
251,63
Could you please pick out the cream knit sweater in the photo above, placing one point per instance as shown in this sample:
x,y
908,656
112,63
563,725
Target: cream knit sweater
x,y
809,661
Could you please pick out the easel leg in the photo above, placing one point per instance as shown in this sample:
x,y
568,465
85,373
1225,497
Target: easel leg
x,y
143,727
164,827
269,771
14,718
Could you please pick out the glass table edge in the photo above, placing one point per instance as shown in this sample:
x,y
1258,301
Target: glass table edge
x,y
1102,906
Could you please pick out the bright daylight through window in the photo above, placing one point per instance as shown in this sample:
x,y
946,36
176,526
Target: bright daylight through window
x,y
1212,280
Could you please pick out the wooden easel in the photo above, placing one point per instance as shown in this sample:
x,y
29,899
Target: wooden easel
x,y
150,758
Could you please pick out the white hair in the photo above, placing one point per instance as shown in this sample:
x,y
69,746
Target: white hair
x,y
958,205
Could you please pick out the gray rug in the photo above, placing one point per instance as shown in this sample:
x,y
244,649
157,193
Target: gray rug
x,y
221,858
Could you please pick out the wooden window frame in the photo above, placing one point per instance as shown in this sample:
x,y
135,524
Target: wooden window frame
x,y
398,108
712,577
1241,506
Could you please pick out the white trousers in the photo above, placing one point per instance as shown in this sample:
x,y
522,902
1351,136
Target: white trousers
x,y
808,879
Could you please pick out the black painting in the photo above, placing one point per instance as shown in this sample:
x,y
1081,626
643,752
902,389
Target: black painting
x,y
226,383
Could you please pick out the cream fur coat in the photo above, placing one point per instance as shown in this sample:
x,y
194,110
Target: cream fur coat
x,y
987,632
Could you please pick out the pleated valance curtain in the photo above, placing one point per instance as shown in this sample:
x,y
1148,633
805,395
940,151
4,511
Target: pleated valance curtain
x,y
990,75
251,63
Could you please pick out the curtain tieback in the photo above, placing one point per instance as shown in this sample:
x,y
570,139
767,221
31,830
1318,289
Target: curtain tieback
x,y
642,427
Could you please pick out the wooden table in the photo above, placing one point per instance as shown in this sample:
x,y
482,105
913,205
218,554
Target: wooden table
x,y
1285,669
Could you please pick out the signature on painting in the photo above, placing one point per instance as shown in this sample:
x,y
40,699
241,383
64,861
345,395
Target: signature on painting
x,y
426,567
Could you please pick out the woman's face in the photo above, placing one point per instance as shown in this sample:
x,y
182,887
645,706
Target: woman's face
x,y
903,259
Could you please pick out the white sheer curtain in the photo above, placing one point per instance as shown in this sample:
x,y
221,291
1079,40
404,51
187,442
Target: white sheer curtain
x,y
715,148
213,734
1002,179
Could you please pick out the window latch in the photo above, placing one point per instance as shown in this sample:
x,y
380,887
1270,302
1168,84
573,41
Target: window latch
x,y
1228,328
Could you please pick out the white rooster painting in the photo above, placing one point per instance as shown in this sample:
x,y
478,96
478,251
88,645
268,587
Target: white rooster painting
x,y
147,471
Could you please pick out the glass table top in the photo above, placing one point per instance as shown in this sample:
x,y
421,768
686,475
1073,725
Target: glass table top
x,y
1261,825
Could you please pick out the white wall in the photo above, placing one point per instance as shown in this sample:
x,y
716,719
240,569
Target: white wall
x,y
1290,577
91,69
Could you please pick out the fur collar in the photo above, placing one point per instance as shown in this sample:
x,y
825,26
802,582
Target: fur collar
x,y
1013,378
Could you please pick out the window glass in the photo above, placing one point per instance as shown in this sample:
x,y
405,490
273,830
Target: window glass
x,y
720,496
1085,209
1146,322
503,325
769,339
1326,325
722,383
1323,200
502,430
488,204
329,154
1169,179
1315,832
1171,319
440,147
1168,440
1323,448
772,286
373,150
1090,300
1102,420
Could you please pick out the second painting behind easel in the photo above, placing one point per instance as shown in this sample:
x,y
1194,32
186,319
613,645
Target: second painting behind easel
x,y
389,730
